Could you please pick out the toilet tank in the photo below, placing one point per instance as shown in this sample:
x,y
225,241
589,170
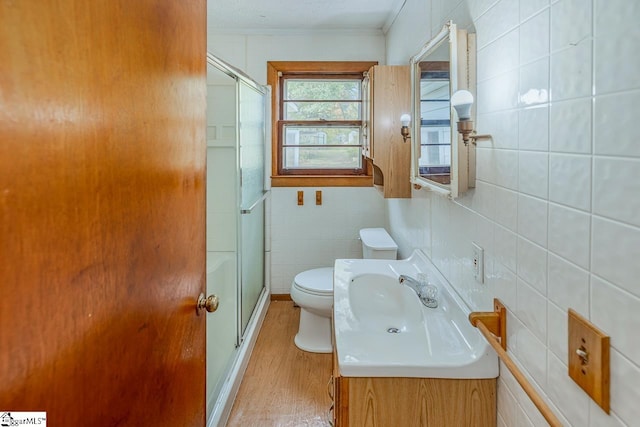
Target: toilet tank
x,y
377,244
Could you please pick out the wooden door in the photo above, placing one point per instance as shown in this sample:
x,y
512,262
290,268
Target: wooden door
x,y
102,215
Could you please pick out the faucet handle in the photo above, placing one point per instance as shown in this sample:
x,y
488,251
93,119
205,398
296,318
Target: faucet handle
x,y
429,295
430,291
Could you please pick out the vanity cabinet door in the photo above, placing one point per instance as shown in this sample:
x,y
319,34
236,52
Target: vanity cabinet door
x,y
411,402
414,402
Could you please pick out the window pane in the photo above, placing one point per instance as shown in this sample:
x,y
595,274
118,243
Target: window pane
x,y
435,112
434,101
435,147
435,155
323,153
321,110
328,135
322,157
301,89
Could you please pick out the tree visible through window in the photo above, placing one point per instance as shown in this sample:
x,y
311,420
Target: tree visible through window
x,y
318,119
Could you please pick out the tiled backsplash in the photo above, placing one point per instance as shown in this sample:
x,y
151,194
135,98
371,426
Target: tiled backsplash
x,y
557,202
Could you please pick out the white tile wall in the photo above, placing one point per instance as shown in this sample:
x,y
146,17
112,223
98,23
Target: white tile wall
x,y
532,219
506,168
614,119
528,310
534,38
617,38
569,234
558,187
506,211
312,236
504,126
571,22
534,122
624,175
570,126
570,180
532,7
533,173
625,393
557,202
569,397
568,285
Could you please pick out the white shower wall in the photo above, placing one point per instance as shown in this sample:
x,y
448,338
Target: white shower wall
x,y
557,202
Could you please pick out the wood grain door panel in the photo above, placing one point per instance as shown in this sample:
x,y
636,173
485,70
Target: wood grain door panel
x,y
102,210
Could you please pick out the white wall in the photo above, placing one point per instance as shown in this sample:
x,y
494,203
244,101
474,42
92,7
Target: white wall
x,y
250,52
557,203
308,236
311,236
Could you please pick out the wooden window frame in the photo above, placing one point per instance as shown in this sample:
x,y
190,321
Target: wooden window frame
x,y
309,178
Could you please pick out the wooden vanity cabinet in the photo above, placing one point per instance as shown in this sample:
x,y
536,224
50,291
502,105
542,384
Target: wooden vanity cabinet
x,y
386,96
409,402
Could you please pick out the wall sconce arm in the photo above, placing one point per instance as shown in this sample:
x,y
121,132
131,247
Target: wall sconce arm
x,y
465,128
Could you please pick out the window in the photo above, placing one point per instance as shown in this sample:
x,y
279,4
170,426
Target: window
x,y
317,123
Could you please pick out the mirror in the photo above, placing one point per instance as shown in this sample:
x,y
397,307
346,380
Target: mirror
x,y
439,158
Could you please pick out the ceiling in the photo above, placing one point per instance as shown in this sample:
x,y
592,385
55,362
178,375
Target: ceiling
x,y
301,15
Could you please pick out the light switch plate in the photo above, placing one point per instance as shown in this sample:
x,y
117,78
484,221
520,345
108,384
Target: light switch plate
x,y
589,359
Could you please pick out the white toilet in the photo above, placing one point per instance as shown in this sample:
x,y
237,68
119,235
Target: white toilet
x,y
312,290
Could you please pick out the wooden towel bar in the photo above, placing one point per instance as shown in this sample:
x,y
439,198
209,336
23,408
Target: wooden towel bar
x,y
493,326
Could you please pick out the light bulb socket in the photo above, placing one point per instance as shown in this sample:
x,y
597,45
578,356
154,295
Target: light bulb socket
x,y
465,128
405,132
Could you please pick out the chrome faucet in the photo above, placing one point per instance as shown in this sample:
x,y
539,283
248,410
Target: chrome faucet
x,y
425,295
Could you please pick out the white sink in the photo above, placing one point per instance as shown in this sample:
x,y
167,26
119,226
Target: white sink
x,y
383,330
378,302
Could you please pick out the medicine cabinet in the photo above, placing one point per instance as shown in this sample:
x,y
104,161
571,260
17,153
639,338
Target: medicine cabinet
x,y
440,161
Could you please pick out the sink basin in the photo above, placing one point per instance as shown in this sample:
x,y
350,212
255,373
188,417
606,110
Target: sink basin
x,y
383,330
379,302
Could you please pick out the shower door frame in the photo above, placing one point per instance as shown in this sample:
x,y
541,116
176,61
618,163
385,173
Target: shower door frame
x,y
245,340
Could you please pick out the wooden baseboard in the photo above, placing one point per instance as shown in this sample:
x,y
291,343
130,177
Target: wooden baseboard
x,y
281,297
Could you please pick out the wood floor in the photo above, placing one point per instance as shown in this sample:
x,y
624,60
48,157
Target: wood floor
x,y
283,386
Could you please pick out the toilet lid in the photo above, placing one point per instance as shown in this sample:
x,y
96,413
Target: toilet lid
x,y
318,280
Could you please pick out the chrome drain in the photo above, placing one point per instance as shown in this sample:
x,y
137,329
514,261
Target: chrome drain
x,y
393,330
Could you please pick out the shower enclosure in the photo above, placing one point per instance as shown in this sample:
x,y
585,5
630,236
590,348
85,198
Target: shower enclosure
x,y
236,199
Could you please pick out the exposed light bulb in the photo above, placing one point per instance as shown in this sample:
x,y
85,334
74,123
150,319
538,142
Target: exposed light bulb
x,y
405,119
462,101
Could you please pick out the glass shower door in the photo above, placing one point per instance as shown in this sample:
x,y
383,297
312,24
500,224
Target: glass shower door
x,y
252,189
236,135
222,223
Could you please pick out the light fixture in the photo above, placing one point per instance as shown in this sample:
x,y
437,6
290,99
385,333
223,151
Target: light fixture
x,y
462,101
405,119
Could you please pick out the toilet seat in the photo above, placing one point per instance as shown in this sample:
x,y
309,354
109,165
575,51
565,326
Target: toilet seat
x,y
318,281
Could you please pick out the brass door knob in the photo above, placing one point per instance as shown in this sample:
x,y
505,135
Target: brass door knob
x,y
209,303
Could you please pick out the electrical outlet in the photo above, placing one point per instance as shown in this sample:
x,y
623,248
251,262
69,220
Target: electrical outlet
x,y
478,263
